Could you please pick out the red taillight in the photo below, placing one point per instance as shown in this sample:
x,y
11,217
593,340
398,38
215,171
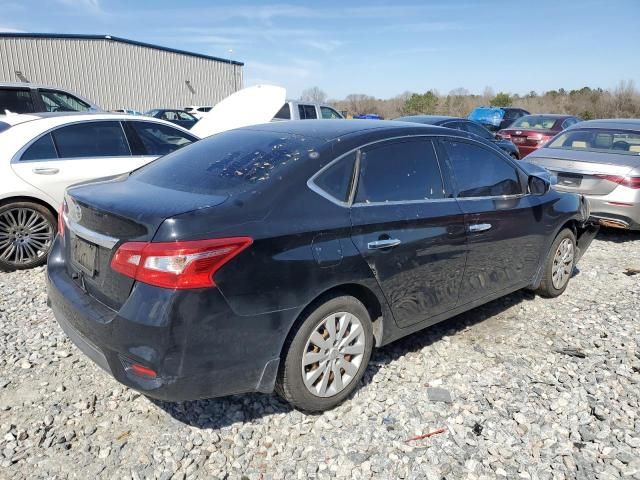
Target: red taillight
x,y
539,137
190,264
61,220
142,371
627,181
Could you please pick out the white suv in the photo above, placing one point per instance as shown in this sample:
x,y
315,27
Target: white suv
x,y
295,110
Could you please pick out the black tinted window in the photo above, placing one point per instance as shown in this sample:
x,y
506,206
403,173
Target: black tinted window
x,y
15,100
336,180
477,130
41,149
307,112
55,101
152,138
479,172
91,139
284,113
232,161
399,172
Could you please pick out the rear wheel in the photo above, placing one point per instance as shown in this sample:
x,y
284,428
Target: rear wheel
x,y
559,265
26,235
327,356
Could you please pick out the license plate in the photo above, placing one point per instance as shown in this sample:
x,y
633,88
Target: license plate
x,y
518,139
569,180
84,255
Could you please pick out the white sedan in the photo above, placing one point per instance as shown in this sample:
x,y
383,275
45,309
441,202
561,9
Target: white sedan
x,y
42,154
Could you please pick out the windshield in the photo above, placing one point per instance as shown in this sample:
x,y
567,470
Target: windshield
x,y
233,161
492,116
598,140
537,122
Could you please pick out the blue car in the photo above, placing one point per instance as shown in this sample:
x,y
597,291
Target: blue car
x,y
496,118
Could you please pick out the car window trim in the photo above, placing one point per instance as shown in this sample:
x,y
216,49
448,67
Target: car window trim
x,y
356,173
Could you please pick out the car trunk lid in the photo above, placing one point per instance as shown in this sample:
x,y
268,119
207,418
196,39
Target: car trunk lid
x,y
527,137
99,217
588,173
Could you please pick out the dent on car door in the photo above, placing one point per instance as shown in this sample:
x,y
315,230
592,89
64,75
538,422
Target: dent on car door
x,y
72,154
505,225
407,228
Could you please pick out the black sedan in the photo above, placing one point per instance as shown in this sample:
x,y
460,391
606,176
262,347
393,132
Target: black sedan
x,y
179,117
466,126
278,256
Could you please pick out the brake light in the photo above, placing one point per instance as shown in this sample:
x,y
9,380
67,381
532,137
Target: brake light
x,y
539,137
179,265
627,181
61,220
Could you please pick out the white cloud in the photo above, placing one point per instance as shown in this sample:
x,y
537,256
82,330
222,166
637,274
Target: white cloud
x,y
326,46
92,6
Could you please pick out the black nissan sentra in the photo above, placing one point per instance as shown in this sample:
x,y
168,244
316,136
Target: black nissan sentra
x,y
278,256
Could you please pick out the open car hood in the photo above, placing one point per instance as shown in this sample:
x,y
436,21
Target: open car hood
x,y
249,106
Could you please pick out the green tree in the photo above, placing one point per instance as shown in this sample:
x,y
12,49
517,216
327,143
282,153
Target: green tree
x,y
427,103
501,100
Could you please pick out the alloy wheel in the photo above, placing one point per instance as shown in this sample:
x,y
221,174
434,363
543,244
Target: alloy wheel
x,y
333,354
562,264
25,236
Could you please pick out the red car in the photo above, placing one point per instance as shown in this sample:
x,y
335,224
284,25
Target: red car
x,y
531,132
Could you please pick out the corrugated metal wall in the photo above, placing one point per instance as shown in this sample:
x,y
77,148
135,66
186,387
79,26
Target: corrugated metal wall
x,y
114,75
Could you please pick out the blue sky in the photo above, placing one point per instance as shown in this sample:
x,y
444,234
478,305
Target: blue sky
x,y
372,47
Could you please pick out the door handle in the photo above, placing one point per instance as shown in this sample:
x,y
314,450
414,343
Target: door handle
x,y
479,227
387,243
46,171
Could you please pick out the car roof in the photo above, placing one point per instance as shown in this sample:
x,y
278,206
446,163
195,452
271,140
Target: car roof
x,y
623,123
331,129
30,85
428,119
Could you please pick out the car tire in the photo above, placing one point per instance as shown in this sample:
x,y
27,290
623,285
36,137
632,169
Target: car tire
x,y
559,265
27,231
340,354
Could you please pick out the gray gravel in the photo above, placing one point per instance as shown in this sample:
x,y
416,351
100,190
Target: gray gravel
x,y
524,388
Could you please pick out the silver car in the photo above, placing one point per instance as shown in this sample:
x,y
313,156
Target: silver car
x,y
601,160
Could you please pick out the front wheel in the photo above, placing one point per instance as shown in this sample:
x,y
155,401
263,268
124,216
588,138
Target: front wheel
x,y
559,265
327,356
26,235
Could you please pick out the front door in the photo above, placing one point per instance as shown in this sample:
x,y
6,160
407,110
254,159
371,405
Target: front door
x,y
408,230
505,238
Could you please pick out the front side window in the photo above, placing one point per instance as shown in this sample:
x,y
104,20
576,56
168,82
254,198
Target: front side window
x,y
336,180
477,130
185,116
41,149
479,172
15,100
307,112
169,115
91,139
599,140
329,113
150,138
55,101
399,171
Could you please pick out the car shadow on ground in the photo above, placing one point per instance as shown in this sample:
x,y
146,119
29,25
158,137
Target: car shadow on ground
x,y
218,413
617,235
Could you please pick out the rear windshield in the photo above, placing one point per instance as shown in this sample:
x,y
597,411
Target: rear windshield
x,y
492,116
598,140
538,122
230,162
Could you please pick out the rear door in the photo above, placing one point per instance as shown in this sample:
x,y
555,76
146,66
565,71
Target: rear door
x,y
505,237
75,153
408,228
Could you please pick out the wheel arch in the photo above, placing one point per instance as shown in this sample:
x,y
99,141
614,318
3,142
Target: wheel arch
x,y
27,198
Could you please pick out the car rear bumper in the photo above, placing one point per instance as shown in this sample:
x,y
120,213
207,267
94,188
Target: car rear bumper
x,y
615,210
194,342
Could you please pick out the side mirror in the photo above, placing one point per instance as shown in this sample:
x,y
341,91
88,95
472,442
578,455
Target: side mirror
x,y
538,185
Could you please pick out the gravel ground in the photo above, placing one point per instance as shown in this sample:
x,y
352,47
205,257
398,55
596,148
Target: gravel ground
x,y
523,387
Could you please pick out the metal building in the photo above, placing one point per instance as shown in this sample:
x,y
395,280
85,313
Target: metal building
x,y
118,73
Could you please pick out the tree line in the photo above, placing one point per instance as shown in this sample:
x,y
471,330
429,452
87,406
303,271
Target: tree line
x,y
623,101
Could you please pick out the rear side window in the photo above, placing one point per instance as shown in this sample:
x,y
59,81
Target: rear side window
x,y
479,172
230,162
55,101
41,149
15,100
401,171
91,139
477,130
149,138
284,113
205,109
336,180
307,112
